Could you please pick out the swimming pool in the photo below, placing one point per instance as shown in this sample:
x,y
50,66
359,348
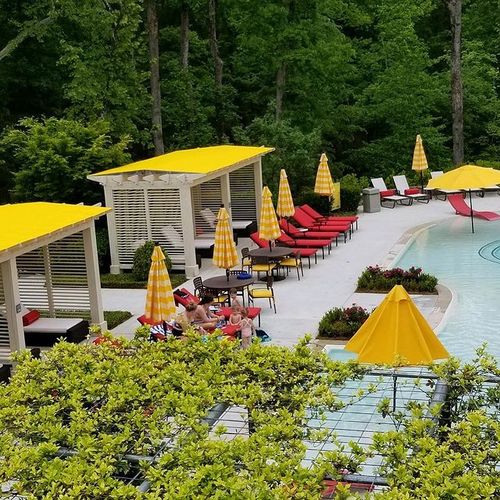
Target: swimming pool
x,y
468,264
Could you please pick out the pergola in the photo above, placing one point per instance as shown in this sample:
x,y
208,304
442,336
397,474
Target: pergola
x,y
48,261
172,199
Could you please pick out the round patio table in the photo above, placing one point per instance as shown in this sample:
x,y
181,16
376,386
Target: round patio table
x,y
272,253
222,284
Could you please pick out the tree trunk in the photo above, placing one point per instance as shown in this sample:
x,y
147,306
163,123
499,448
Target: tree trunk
x,y
457,96
214,48
184,36
154,63
280,89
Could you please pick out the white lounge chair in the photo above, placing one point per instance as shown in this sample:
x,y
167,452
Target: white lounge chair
x,y
389,195
401,183
211,219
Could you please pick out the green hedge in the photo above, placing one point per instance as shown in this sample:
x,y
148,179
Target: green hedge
x,y
375,279
127,280
142,261
342,323
115,318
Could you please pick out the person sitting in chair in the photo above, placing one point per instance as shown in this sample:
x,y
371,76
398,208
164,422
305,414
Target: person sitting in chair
x,y
203,316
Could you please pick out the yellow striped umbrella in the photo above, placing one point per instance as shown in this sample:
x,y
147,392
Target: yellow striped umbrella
x,y
324,182
160,304
285,207
269,228
419,163
225,255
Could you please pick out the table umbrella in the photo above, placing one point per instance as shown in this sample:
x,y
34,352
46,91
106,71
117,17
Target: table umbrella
x,y
285,207
419,163
467,178
225,255
160,305
269,228
396,333
324,183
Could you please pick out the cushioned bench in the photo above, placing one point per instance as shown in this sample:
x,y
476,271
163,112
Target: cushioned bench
x,y
46,331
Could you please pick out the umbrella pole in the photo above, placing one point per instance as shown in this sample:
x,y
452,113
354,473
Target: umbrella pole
x,y
394,393
471,211
422,180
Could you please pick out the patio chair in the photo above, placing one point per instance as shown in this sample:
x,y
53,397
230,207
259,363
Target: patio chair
x,y
200,290
443,192
353,219
293,262
262,265
294,232
211,219
389,196
246,260
401,183
263,293
183,297
308,222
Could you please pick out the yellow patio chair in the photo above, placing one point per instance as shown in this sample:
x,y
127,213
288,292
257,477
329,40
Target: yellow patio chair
x,y
263,293
291,262
262,265
246,260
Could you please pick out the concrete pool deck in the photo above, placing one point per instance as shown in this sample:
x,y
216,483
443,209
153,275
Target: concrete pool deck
x,y
331,282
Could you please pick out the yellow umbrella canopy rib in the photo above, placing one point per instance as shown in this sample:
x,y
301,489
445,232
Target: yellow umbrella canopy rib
x,y
419,159
324,183
160,305
285,206
269,228
225,255
466,177
396,333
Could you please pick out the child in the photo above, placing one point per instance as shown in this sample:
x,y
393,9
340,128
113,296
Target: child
x,y
247,328
233,296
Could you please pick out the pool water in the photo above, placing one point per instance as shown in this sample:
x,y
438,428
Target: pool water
x,y
468,264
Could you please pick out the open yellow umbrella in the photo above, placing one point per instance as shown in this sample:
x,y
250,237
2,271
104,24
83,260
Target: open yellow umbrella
x,y
324,183
225,255
396,333
468,177
160,305
269,228
419,163
285,207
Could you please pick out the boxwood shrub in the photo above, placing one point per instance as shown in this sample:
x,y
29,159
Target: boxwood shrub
x,y
142,261
376,279
342,323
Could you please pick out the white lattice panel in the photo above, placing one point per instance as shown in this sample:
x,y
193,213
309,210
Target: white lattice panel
x,y
4,328
206,195
242,184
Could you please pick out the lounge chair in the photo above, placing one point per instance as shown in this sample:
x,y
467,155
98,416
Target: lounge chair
x,y
211,219
389,196
294,232
205,242
309,223
353,219
461,208
287,241
443,192
401,183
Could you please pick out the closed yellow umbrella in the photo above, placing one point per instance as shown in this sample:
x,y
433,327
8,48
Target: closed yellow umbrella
x,y
269,228
160,305
467,177
419,163
285,207
324,183
225,255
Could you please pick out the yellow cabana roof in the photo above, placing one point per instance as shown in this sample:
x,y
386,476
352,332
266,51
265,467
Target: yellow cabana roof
x,y
22,223
193,161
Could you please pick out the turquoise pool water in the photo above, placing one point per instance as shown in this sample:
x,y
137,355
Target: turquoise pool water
x,y
469,264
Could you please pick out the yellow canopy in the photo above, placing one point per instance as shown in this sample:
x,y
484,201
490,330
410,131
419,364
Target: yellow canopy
x,y
22,223
160,305
324,183
225,255
396,333
285,207
466,177
194,161
269,228
419,160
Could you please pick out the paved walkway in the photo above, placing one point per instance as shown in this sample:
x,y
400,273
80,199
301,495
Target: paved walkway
x,y
331,282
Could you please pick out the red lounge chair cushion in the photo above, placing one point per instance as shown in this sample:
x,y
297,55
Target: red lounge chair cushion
x,y
412,191
286,240
30,317
184,297
230,329
316,215
389,192
261,243
146,321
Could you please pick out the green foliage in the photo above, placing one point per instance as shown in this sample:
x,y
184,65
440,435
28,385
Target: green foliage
x,y
131,397
342,322
375,279
350,192
142,261
115,318
127,280
51,158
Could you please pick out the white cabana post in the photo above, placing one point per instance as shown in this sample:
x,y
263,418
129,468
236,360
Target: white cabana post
x,y
174,198
48,262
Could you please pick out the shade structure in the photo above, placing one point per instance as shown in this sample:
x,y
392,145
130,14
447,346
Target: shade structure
x,y
160,305
269,228
419,162
467,177
324,183
285,206
396,333
225,255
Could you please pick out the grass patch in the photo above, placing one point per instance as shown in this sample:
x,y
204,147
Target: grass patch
x,y
115,318
127,280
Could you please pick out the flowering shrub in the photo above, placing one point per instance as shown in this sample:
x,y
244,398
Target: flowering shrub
x,y
376,279
342,323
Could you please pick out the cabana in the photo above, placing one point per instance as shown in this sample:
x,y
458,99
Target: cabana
x,y
173,199
48,262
